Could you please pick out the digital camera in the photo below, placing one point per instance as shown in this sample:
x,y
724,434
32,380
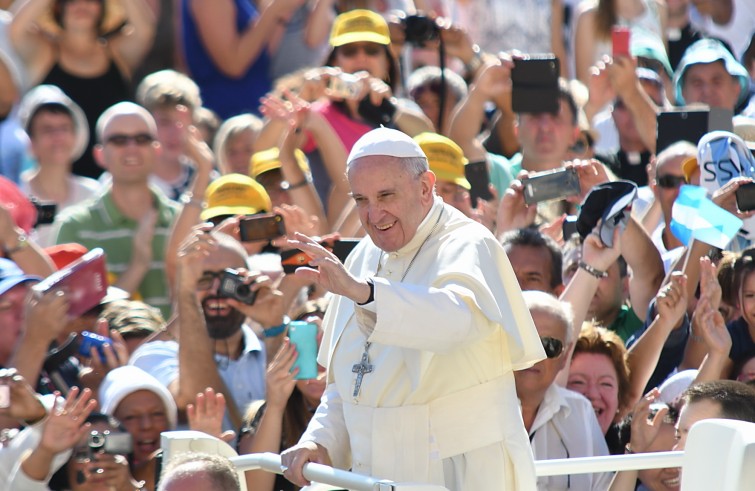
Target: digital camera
x,y
233,285
119,443
419,29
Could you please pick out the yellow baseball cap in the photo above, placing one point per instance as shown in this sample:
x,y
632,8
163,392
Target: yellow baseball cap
x,y
235,194
445,157
689,166
269,159
359,25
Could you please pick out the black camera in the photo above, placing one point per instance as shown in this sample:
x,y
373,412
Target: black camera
x,y
119,443
233,285
419,29
45,212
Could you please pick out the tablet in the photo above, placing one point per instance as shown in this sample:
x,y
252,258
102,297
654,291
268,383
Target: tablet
x,y
84,282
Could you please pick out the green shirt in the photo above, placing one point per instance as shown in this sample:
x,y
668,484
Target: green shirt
x,y
626,323
99,223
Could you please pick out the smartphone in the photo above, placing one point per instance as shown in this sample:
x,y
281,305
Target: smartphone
x,y
620,36
569,227
547,186
343,247
745,196
266,226
303,335
45,212
84,282
479,178
690,124
535,84
294,259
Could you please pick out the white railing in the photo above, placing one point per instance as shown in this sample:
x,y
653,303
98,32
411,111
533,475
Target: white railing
x,y
720,454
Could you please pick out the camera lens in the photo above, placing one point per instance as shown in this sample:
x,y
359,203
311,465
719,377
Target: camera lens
x,y
242,290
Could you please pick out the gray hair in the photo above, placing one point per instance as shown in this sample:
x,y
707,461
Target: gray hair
x,y
218,470
680,149
546,303
429,76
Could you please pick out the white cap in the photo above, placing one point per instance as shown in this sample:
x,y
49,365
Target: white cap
x,y
673,387
387,142
124,381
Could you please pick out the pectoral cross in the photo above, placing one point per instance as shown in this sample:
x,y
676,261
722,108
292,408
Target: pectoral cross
x,y
361,368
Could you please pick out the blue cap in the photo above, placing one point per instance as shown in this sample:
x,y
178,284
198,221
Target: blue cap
x,y
707,51
11,275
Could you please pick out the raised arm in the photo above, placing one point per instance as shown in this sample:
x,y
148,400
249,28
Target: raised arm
x,y
25,36
134,41
647,267
234,52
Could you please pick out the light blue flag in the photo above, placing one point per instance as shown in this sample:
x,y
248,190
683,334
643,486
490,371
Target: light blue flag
x,y
694,216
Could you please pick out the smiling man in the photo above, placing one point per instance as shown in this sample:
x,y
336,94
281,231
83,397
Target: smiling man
x,y
421,338
129,219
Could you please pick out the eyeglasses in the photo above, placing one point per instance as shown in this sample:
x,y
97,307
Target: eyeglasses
x,y
121,140
350,50
670,181
553,347
207,279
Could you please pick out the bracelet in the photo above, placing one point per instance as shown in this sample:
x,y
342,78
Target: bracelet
x,y
22,242
371,298
593,271
476,62
287,186
275,331
188,199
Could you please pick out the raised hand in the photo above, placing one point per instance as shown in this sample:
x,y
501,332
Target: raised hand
x,y
671,300
66,425
279,380
206,414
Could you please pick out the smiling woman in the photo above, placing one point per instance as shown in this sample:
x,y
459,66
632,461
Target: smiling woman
x,y
599,371
145,408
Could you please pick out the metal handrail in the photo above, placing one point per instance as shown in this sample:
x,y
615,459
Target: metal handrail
x,y
608,463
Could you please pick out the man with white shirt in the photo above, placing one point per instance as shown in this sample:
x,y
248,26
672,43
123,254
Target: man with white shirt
x,y
421,338
561,423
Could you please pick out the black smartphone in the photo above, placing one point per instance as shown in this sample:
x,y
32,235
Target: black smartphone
x,y
265,226
45,212
479,178
377,115
535,84
569,227
745,195
546,186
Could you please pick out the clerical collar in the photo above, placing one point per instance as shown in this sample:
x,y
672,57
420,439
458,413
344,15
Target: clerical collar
x,y
425,227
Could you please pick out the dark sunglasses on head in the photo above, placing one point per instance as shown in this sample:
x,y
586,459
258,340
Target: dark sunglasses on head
x,y
350,50
670,181
553,347
121,140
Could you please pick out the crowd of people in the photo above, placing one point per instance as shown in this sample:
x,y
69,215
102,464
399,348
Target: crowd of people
x,y
227,155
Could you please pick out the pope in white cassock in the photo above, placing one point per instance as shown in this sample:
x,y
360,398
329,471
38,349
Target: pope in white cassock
x,y
421,339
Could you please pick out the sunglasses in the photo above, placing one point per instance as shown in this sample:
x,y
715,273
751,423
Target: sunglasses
x,y
207,279
350,50
121,140
553,347
670,181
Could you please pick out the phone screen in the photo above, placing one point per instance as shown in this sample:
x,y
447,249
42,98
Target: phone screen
x,y
620,36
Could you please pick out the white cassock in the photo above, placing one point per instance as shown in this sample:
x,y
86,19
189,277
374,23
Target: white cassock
x,y
440,405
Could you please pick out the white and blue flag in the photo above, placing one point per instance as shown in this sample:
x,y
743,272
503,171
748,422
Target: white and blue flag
x,y
694,216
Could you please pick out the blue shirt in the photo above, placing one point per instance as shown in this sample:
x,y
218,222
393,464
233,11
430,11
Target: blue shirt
x,y
225,95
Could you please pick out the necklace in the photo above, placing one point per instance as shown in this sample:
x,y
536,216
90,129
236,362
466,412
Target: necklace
x,y
364,366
